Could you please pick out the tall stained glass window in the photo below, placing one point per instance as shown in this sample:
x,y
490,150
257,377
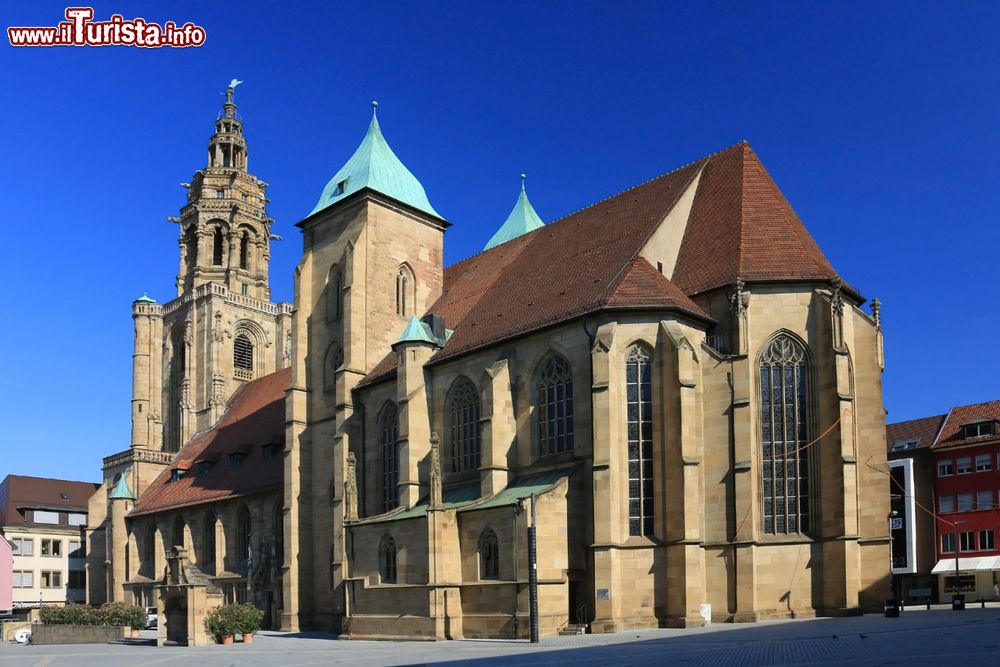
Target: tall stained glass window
x,y
639,409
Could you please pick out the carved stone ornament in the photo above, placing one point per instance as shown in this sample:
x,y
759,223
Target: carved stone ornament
x,y
218,333
287,354
739,300
837,299
877,313
436,476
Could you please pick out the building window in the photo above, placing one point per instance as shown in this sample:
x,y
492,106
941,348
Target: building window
x,y
77,549
23,546
204,467
947,543
341,188
978,429
333,360
463,425
388,428
387,561
208,539
639,408
77,579
984,499
236,460
489,555
784,413
51,579
244,289
279,536
555,406
23,579
404,291
967,541
268,451
220,194
244,251
217,247
76,519
983,462
965,502
946,504
48,518
334,294
244,534
176,474
987,540
52,547
945,469
243,357
964,465
149,551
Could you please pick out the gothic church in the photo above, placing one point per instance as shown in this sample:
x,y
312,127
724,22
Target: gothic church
x,y
676,373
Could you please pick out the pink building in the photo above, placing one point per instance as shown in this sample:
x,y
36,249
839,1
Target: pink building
x,y
6,576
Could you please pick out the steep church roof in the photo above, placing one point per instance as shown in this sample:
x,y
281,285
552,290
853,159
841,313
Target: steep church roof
x,y
254,418
522,219
739,226
375,166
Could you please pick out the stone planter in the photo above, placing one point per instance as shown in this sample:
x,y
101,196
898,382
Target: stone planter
x,y
248,639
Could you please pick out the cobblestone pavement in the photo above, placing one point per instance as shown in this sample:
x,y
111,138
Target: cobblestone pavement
x,y
938,637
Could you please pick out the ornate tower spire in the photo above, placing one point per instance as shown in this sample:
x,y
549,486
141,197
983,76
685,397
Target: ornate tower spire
x,y
225,231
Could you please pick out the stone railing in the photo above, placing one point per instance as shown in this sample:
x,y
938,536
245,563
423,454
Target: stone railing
x,y
138,456
221,290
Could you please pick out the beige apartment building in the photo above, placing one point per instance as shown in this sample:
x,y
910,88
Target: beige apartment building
x,y
676,373
44,521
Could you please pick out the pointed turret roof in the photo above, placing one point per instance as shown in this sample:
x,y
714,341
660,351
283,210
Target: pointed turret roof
x,y
145,298
375,166
121,490
416,332
522,219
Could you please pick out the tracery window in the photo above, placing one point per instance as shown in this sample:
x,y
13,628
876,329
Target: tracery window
x,y
208,539
334,360
388,429
784,416
243,356
334,294
244,250
148,559
555,406
387,561
489,555
244,530
463,426
404,287
639,409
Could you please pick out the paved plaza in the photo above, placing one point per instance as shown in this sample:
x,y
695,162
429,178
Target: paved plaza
x,y
936,637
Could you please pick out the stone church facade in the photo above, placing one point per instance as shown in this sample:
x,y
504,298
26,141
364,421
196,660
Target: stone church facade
x,y
676,374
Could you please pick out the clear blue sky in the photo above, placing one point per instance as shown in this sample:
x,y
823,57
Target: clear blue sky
x,y
878,120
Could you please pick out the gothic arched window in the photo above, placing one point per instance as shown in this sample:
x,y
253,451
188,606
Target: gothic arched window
x,y
243,356
279,536
177,538
148,559
334,359
387,561
555,406
639,413
217,247
388,429
784,418
208,539
334,294
463,425
489,555
244,531
404,291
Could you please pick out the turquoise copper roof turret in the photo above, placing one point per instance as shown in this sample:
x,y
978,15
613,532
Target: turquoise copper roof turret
x,y
375,166
521,220
416,332
145,298
121,490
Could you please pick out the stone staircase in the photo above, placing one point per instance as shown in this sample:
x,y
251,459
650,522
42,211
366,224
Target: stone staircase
x,y
573,629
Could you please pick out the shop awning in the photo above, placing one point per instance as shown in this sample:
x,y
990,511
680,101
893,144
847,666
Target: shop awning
x,y
946,565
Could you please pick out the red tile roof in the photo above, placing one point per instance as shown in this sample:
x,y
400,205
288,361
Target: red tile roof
x,y
254,417
740,226
923,430
18,491
951,432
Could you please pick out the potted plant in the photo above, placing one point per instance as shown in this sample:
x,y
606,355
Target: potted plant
x,y
248,621
221,624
